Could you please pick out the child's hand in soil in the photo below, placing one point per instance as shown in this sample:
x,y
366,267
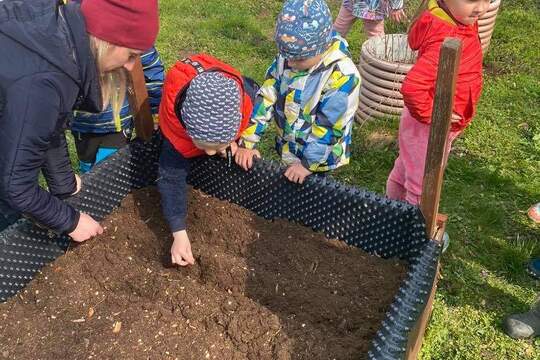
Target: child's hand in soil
x,y
86,228
244,157
181,249
398,15
297,173
455,118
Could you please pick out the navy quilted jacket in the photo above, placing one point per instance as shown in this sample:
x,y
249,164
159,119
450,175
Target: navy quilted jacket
x,y
46,71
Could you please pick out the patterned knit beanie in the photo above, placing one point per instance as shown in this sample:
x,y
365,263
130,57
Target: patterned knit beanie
x,y
211,109
303,29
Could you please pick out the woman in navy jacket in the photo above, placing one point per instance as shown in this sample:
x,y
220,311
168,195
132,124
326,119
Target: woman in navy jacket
x,y
58,58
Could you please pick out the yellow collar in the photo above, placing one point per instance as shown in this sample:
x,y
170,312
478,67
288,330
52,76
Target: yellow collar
x,y
439,12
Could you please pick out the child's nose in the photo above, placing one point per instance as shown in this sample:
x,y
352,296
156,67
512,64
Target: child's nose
x,y
210,152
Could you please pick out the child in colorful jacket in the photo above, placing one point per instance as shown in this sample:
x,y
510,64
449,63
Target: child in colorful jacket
x,y
372,13
97,136
311,89
442,19
206,104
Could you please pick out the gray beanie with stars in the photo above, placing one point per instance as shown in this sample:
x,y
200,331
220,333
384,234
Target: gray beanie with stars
x,y
211,109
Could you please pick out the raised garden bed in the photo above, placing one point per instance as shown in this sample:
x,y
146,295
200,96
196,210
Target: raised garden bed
x,y
260,289
379,226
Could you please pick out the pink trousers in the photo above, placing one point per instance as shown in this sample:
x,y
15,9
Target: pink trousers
x,y
406,178
346,19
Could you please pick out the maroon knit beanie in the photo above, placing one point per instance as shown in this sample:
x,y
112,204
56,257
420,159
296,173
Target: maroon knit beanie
x,y
128,23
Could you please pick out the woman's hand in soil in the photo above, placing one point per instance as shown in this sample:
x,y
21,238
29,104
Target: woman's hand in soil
x,y
86,228
297,173
78,182
455,118
181,249
398,15
244,157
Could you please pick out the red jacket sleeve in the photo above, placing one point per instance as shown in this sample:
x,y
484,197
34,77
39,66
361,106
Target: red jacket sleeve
x,y
419,31
418,88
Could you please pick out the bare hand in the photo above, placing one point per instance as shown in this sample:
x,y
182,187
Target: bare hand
x,y
297,173
455,118
86,228
78,181
234,148
398,15
244,157
181,249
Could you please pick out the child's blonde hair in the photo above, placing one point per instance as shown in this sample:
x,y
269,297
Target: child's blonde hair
x,y
113,83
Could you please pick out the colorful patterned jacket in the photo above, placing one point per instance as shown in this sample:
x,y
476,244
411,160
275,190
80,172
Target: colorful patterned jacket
x,y
104,122
314,109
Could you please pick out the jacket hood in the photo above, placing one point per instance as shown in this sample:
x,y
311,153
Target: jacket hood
x,y
57,34
338,50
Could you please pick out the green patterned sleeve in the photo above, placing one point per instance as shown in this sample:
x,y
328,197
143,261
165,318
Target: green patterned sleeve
x,y
263,110
331,131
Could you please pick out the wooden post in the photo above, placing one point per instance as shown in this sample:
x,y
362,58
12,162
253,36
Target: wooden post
x,y
434,171
138,102
440,126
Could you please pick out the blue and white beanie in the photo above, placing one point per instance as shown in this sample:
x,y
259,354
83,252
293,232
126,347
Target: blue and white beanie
x,y
303,29
211,109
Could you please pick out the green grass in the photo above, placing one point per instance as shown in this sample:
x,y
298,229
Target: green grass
x,y
491,179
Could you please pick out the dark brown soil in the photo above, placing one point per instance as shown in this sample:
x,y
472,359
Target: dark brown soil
x,y
259,290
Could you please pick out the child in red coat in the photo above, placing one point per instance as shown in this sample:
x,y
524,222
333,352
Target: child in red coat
x,y
205,106
442,19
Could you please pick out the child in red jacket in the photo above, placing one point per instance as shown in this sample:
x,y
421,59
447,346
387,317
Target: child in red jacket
x,y
443,18
205,106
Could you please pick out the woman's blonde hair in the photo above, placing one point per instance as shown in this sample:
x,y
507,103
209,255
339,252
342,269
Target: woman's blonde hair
x,y
113,83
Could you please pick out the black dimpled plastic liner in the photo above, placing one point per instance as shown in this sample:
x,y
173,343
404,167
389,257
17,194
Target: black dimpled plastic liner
x,y
361,218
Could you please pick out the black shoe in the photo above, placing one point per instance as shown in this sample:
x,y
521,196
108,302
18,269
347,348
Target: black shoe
x,y
523,326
